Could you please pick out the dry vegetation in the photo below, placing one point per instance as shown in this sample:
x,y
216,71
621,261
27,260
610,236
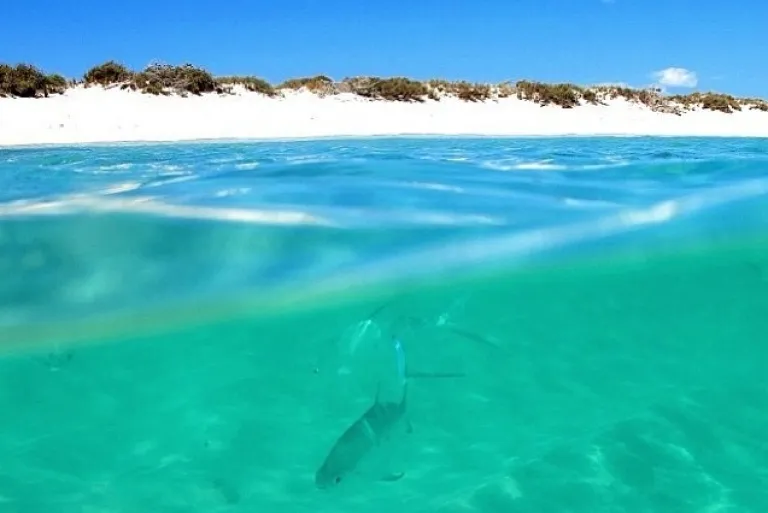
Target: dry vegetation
x,y
462,90
320,85
566,96
252,84
754,104
109,73
157,79
26,81
396,89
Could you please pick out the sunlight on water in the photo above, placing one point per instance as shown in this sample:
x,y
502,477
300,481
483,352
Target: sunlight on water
x,y
194,327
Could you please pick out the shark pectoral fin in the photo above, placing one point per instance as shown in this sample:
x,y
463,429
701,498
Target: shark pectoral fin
x,y
388,460
393,476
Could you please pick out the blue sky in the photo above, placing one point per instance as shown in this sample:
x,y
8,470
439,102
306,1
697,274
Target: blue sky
x,y
721,44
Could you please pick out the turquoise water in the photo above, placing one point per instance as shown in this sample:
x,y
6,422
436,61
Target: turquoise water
x,y
191,327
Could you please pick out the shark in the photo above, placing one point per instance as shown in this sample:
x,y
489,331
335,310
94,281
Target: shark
x,y
373,427
365,434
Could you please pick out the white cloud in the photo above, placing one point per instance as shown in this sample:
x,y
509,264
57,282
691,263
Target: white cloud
x,y
676,77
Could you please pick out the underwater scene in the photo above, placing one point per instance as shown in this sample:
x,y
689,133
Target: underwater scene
x,y
448,325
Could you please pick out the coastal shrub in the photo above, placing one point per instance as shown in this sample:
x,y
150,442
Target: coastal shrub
x,y
590,96
437,87
505,90
5,74
253,84
685,101
6,80
651,98
319,84
614,92
755,104
644,96
657,102
352,84
56,84
27,81
629,94
165,79
108,73
564,95
396,89
710,101
463,90
399,89
719,102
473,92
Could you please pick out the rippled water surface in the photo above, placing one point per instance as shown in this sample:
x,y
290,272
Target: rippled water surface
x,y
192,327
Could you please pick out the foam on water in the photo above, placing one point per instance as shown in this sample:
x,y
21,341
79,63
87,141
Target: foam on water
x,y
191,327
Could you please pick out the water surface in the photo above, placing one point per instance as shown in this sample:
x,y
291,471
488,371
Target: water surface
x,y
190,327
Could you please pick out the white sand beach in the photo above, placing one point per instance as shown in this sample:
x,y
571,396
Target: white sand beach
x,y
98,115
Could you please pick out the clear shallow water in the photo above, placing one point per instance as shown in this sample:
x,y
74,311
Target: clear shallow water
x,y
191,327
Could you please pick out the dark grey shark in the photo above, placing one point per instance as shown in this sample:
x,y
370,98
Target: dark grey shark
x,y
367,432
372,428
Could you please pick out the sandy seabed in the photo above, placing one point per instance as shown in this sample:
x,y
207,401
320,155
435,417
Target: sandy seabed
x,y
96,115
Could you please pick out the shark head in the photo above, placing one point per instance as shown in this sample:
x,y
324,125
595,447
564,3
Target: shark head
x,y
329,474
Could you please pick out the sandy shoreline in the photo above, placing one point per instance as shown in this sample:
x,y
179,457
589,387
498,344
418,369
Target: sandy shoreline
x,y
96,115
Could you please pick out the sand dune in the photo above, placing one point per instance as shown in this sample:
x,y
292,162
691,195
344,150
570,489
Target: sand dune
x,y
94,114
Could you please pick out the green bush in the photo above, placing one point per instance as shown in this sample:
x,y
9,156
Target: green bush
x,y
27,81
56,83
651,98
710,101
440,86
675,104
755,104
108,73
463,90
253,84
565,95
590,96
505,90
719,102
320,84
395,89
473,92
165,79
24,80
6,80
